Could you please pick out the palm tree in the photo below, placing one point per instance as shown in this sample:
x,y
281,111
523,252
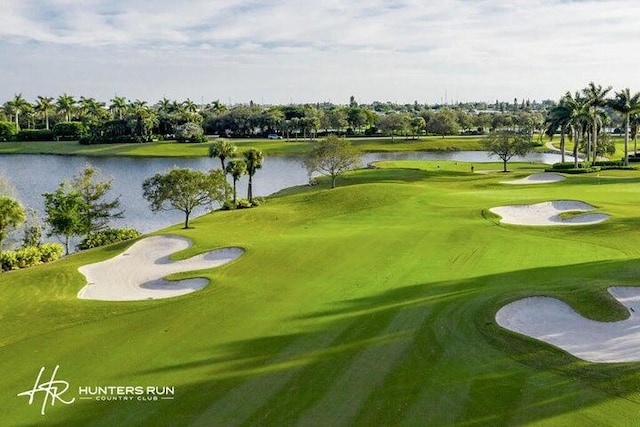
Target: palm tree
x,y
635,124
236,168
254,158
578,119
144,116
626,104
222,149
559,116
66,105
18,105
118,106
596,99
44,106
92,110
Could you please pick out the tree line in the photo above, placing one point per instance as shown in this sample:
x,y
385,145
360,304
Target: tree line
x,y
123,120
583,117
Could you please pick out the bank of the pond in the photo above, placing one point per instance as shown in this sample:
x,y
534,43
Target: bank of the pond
x,y
268,146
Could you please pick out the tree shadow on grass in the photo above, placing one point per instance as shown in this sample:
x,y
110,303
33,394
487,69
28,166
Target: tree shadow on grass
x,y
426,353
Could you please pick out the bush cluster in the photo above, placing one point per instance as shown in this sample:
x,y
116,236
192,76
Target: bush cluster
x,y
569,165
35,135
69,131
108,236
30,256
575,171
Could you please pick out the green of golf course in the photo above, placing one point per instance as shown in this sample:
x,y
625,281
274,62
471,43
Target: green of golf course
x,y
370,304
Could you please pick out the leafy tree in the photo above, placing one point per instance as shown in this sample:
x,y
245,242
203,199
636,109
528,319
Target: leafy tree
x,y
7,130
190,132
95,211
253,158
393,122
417,125
64,212
12,214
505,144
184,189
222,149
444,122
333,156
32,229
236,168
626,104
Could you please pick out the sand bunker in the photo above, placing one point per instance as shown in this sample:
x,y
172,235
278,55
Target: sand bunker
x,y
548,213
137,273
538,178
554,322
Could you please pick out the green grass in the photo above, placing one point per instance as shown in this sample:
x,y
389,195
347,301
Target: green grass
x,y
369,304
268,146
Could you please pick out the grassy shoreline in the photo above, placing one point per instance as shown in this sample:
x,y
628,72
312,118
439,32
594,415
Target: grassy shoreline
x,y
268,147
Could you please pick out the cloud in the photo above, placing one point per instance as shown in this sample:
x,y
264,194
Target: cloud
x,y
407,49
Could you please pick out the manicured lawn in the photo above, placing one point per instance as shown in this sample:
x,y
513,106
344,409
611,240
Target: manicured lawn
x,y
369,304
268,146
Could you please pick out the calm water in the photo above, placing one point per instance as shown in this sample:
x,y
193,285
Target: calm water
x,y
32,175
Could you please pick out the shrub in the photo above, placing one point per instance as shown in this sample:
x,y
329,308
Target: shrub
x,y
569,165
69,130
608,163
7,130
243,204
35,135
30,256
190,132
575,171
108,236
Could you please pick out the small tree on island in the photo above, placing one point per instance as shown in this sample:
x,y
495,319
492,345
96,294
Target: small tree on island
x,y
12,214
506,144
333,156
184,190
236,168
253,159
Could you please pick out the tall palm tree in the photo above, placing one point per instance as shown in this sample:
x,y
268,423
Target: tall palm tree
x,y
578,119
92,110
254,159
626,104
19,105
634,123
44,105
558,117
118,106
222,149
144,116
236,168
596,99
66,105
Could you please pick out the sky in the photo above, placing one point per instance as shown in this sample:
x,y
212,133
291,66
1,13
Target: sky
x,y
296,51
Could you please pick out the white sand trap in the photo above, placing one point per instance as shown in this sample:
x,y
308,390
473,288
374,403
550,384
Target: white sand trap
x,y
538,178
548,213
554,322
137,274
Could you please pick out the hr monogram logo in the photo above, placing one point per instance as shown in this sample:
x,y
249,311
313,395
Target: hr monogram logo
x,y
52,390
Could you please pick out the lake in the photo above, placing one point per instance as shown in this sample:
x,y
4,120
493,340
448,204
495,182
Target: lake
x,y
32,175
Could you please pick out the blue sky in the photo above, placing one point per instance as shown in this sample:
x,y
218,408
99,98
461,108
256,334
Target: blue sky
x,y
313,51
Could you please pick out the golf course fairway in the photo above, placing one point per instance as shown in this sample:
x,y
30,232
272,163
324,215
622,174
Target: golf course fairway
x,y
370,304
